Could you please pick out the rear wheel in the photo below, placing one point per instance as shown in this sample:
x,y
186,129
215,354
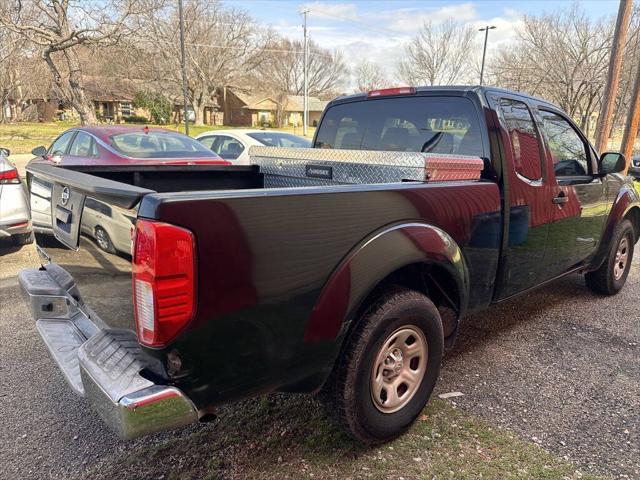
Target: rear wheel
x,y
612,274
104,241
389,367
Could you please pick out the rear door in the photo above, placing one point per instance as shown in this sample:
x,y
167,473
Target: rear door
x,y
528,196
580,203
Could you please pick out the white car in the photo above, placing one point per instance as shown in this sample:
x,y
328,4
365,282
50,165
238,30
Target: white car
x,y
15,219
233,144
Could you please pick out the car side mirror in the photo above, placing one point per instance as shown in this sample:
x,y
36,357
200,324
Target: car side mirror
x,y
611,162
39,152
5,151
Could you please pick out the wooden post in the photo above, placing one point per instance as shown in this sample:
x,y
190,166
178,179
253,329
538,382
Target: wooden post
x,y
633,122
613,75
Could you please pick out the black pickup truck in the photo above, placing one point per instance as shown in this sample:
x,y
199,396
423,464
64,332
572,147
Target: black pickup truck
x,y
296,276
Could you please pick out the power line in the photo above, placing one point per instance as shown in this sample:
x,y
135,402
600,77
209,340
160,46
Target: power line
x,y
352,20
227,47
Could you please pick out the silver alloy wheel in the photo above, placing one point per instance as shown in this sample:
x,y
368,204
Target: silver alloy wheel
x,y
622,255
398,369
102,239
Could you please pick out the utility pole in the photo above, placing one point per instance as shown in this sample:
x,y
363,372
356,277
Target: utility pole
x,y
484,51
633,122
613,76
183,65
305,69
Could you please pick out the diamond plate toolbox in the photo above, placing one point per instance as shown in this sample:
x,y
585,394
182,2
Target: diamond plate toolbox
x,y
297,167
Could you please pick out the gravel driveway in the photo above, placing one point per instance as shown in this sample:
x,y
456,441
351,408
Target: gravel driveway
x,y
558,366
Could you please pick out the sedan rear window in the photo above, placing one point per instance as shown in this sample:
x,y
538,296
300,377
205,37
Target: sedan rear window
x,y
274,139
159,145
417,124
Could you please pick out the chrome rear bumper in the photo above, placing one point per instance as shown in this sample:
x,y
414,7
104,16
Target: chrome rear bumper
x,y
104,365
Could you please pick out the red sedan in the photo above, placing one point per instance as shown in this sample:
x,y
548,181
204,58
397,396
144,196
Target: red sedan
x,y
118,145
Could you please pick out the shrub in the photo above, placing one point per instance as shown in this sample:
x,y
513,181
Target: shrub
x,y
158,106
135,119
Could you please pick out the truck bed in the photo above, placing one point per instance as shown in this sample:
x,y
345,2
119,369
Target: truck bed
x,y
264,255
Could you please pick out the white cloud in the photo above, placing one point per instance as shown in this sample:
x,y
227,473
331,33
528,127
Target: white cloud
x,y
326,9
410,20
380,36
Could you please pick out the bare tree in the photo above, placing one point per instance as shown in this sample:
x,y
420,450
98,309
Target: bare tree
x,y
561,57
440,54
222,45
283,70
368,76
60,27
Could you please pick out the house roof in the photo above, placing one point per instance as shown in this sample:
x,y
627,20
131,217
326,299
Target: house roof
x,y
262,101
295,103
111,89
119,89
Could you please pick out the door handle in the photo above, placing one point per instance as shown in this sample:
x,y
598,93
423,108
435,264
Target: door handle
x,y
560,199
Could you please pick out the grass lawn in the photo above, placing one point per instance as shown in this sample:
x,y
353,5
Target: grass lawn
x,y
23,137
290,437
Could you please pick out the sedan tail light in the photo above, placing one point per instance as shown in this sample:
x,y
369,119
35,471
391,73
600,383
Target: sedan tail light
x,y
164,285
9,176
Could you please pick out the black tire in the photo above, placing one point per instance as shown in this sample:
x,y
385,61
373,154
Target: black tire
x,y
348,392
22,239
103,240
604,280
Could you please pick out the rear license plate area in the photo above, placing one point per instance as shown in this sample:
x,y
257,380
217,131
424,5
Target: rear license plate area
x,y
66,213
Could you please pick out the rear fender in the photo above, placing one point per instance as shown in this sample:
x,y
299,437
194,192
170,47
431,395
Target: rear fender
x,y
374,259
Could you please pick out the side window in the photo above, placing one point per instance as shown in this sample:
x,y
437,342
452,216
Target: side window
x,y
61,143
207,141
568,150
227,147
525,145
83,146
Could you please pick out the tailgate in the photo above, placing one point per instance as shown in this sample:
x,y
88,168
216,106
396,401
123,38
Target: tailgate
x,y
86,224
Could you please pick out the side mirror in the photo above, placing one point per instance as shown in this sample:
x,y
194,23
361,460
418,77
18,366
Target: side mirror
x,y
39,152
5,151
611,162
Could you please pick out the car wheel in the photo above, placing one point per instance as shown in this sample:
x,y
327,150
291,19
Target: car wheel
x,y
388,368
612,274
104,241
22,239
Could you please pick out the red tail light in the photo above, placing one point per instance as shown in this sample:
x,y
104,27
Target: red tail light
x,y
164,285
9,176
392,91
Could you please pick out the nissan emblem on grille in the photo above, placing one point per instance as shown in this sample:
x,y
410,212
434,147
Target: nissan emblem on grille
x,y
64,196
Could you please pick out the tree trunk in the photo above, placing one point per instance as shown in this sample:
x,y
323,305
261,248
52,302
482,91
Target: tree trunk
x,y
199,109
80,102
77,98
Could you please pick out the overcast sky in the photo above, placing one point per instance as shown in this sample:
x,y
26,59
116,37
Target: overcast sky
x,y
377,30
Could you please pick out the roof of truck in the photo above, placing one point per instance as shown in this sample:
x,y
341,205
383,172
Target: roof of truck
x,y
453,88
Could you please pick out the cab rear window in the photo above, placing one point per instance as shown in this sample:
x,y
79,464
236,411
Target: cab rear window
x,y
159,145
447,125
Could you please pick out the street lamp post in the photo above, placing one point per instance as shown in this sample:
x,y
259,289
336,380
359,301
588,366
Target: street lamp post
x,y
305,69
484,51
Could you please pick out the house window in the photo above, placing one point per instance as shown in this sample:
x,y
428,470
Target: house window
x,y
125,108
